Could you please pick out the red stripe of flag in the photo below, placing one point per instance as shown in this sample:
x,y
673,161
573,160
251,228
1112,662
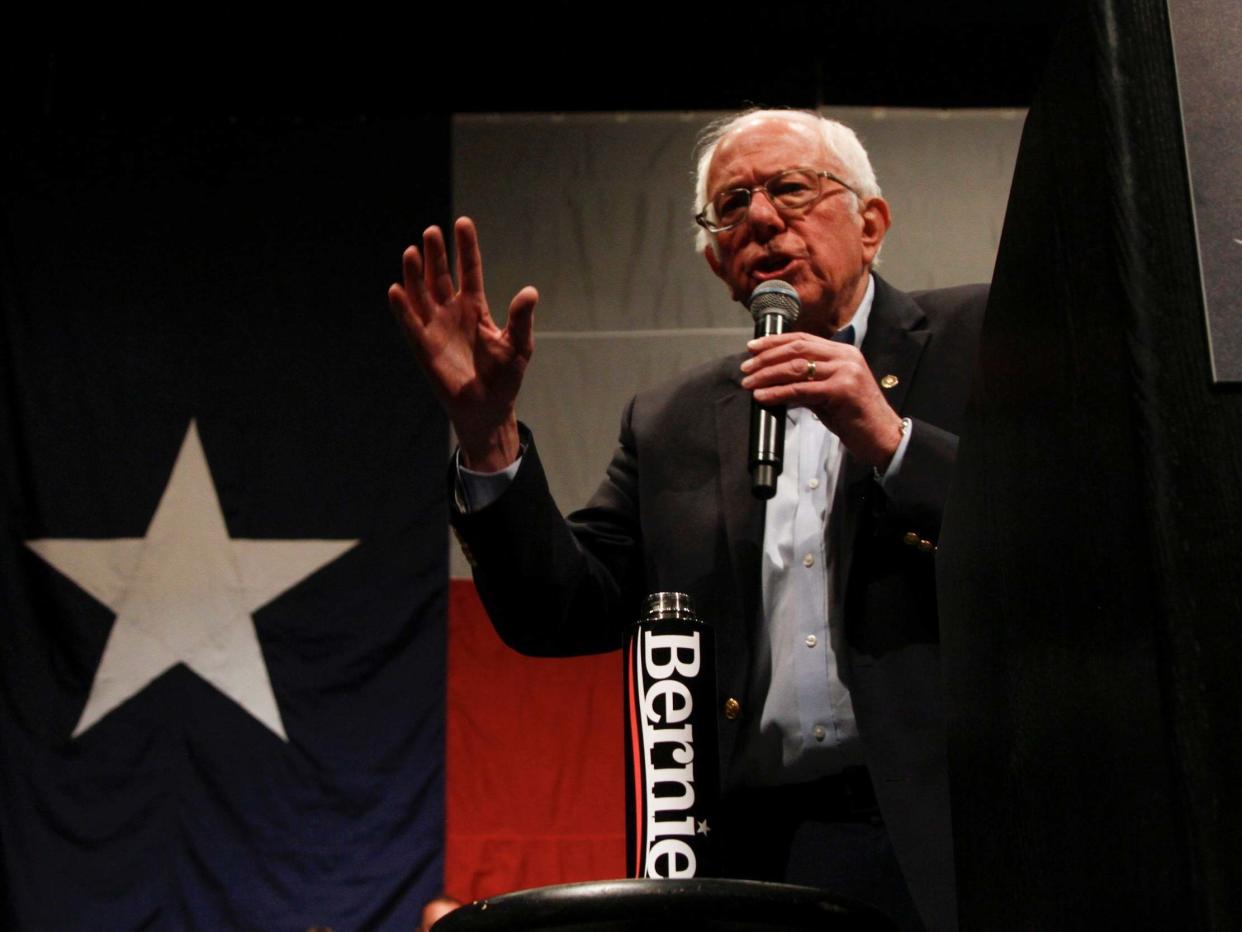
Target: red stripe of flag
x,y
534,760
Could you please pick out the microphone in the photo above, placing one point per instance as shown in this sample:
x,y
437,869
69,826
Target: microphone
x,y
775,306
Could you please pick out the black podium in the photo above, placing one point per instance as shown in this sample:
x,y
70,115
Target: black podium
x,y
692,904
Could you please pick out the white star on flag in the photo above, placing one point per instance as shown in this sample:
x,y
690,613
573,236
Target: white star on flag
x,y
185,594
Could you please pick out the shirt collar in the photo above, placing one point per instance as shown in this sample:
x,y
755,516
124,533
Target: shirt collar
x,y
863,314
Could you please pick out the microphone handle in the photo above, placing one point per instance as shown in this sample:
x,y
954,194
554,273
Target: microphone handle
x,y
767,426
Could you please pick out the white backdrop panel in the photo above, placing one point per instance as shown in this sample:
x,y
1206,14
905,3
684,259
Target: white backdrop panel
x,y
596,210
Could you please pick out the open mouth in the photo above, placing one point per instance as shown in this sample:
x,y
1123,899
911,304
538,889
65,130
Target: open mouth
x,y
771,266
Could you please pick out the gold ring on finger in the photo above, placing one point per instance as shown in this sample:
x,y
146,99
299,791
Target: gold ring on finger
x,y
810,370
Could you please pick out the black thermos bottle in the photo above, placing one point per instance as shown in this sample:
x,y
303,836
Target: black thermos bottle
x,y
672,766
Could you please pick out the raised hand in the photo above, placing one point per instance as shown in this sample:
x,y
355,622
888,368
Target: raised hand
x,y
475,367
798,369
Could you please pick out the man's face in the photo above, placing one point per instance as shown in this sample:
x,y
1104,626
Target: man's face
x,y
824,250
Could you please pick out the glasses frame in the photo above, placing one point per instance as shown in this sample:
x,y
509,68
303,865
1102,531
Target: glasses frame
x,y
701,217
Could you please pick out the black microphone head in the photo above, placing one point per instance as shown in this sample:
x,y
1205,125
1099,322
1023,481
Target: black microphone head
x,y
774,297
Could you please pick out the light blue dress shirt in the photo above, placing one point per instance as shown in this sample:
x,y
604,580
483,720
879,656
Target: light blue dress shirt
x,y
806,727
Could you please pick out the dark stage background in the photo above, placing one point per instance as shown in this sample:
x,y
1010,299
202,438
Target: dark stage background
x,y
205,235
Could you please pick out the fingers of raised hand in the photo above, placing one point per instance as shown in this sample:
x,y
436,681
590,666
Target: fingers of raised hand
x,y
401,307
408,299
436,277
412,269
520,325
469,258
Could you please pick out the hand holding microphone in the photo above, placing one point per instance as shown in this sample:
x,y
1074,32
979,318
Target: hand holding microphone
x,y
828,376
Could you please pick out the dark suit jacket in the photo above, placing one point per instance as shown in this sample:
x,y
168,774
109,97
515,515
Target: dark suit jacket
x,y
675,512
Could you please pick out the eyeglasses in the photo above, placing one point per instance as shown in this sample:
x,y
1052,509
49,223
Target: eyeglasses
x,y
790,190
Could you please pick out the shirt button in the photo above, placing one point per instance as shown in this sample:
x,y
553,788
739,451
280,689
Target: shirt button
x,y
813,484
808,560
819,732
811,640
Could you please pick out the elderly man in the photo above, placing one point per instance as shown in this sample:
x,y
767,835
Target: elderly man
x,y
831,725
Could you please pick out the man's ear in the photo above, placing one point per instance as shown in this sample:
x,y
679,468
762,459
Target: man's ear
x,y
876,219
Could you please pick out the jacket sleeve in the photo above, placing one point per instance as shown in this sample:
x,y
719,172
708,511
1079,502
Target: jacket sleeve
x,y
913,502
915,497
555,586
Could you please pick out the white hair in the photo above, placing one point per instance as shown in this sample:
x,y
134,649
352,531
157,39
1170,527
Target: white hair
x,y
839,139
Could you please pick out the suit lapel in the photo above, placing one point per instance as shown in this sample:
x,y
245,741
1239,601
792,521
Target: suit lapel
x,y
892,348
743,513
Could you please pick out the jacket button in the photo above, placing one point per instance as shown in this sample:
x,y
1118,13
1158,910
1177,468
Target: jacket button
x,y
889,381
926,546
910,538
732,708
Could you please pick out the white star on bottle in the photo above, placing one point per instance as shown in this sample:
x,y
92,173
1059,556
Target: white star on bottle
x,y
184,593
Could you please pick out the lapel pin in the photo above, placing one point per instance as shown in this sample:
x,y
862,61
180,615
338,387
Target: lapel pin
x,y
889,381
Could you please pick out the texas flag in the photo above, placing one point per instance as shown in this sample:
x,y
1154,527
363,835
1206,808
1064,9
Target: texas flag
x,y
228,682
223,566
